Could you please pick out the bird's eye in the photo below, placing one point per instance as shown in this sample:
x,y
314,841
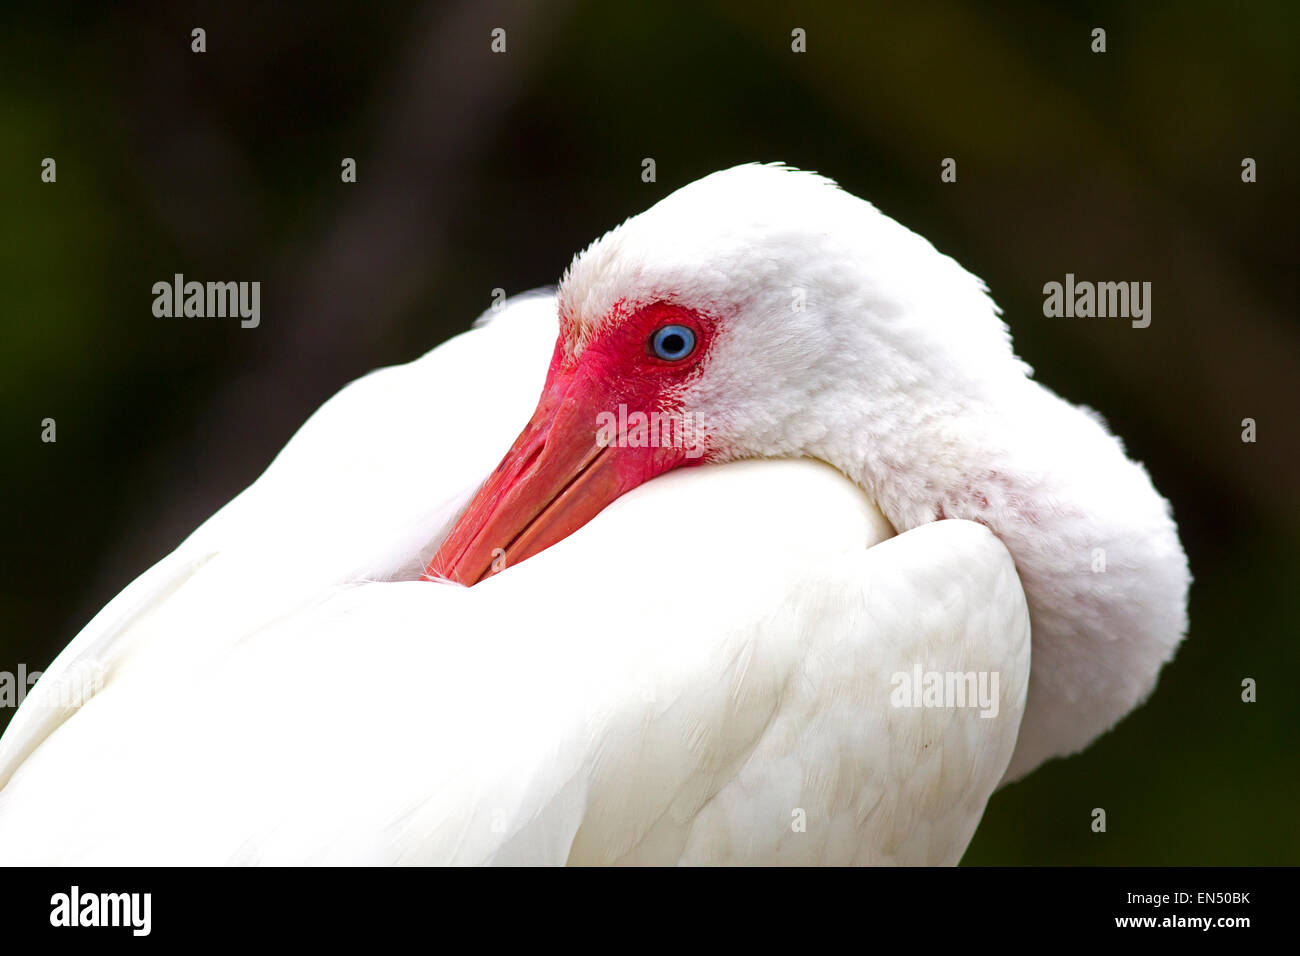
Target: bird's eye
x,y
672,343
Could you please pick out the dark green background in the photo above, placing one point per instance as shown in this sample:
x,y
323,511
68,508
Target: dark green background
x,y
479,170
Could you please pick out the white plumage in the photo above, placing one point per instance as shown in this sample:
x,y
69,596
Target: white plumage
x,y
701,674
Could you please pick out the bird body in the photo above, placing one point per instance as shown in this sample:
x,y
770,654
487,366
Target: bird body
x,y
704,667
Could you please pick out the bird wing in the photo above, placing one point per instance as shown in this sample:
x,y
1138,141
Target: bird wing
x,y
365,490
701,674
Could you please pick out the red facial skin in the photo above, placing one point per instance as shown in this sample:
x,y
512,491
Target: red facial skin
x,y
557,477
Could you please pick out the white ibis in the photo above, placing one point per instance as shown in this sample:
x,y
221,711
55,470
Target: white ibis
x,y
741,662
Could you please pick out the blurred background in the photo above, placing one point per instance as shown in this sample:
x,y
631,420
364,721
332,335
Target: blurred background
x,y
478,170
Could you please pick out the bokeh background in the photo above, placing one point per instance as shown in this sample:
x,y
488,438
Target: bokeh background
x,y
479,170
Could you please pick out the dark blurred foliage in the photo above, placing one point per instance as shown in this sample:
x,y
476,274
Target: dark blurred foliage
x,y
479,170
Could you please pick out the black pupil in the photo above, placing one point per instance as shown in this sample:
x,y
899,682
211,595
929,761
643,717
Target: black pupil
x,y
672,343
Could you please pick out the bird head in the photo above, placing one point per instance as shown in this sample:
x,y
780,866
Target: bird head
x,y
757,312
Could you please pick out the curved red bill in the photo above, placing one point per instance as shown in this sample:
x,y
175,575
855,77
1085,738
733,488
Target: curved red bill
x,y
559,474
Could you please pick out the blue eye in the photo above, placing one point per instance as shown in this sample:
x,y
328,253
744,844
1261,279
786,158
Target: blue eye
x,y
672,343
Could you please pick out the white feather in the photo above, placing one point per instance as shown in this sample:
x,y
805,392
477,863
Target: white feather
x,y
701,674
260,704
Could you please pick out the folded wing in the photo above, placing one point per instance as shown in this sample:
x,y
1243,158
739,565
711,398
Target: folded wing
x,y
703,674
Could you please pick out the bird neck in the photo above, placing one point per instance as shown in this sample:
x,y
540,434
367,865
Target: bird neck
x,y
923,455
1098,554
